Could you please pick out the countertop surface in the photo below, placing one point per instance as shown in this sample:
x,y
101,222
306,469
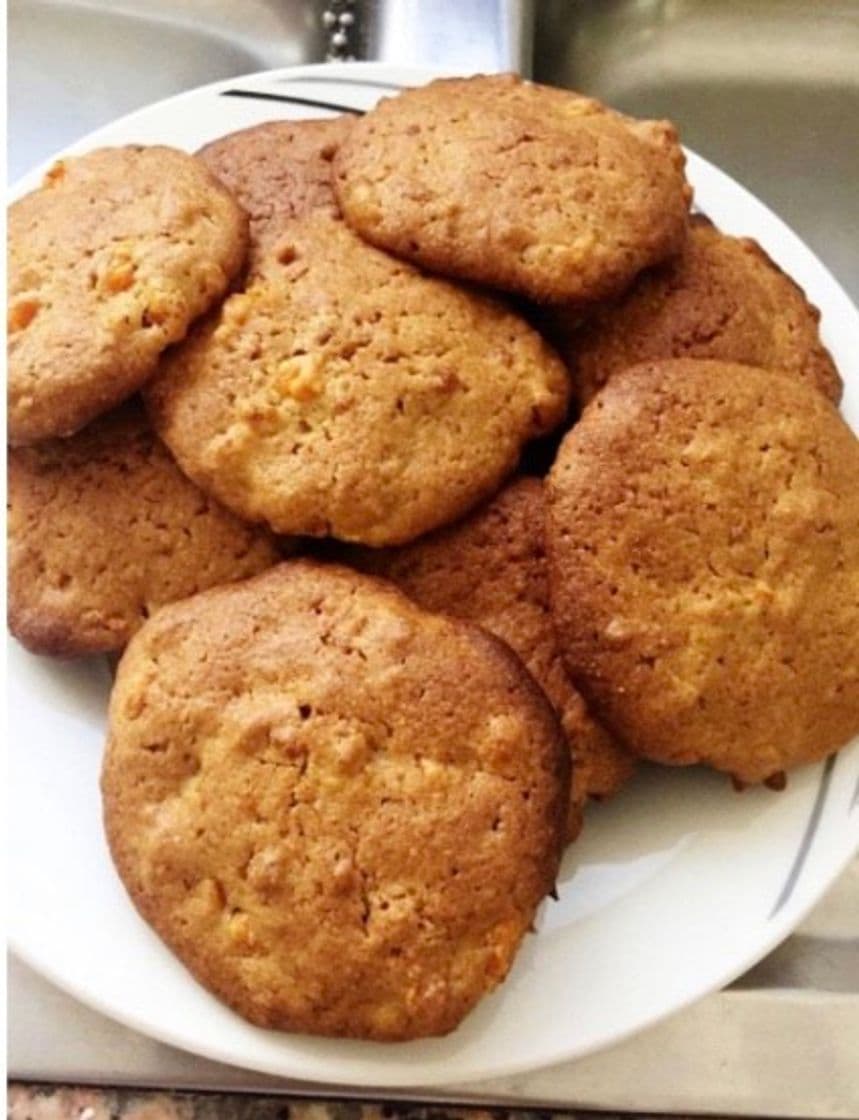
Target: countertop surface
x,y
45,1102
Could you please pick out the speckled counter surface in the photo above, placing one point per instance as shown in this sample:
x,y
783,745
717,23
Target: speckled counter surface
x,y
55,1102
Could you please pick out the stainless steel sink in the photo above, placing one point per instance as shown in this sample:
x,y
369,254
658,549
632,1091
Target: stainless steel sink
x,y
767,89
78,64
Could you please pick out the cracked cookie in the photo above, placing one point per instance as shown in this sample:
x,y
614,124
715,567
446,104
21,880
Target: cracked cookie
x,y
103,528
704,566
519,186
490,568
346,394
109,262
307,769
721,298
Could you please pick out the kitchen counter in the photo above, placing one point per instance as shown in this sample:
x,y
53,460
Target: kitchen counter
x,y
55,1102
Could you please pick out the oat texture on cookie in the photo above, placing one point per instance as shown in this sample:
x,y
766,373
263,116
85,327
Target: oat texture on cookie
x,y
346,394
103,528
279,170
109,261
490,568
721,298
519,186
339,810
704,566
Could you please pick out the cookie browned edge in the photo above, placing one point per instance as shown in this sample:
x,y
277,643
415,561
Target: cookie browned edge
x,y
517,677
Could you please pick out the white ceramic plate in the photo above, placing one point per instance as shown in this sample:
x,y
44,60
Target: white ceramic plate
x,y
674,889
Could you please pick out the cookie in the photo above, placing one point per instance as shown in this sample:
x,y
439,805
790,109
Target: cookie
x,y
491,569
345,394
339,810
103,528
704,566
109,262
519,186
278,171
721,298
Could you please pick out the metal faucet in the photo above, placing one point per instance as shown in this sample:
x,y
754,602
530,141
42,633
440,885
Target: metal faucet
x,y
463,35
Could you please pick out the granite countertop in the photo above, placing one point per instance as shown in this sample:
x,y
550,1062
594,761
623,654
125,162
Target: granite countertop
x,y
59,1102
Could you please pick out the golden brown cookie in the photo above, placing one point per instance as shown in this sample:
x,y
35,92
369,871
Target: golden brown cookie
x,y
490,569
278,171
520,186
721,298
339,810
109,262
345,394
103,528
704,565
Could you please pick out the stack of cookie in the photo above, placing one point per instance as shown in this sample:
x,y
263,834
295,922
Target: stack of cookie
x,y
340,785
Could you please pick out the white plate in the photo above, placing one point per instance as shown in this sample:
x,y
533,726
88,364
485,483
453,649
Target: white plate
x,y
674,889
